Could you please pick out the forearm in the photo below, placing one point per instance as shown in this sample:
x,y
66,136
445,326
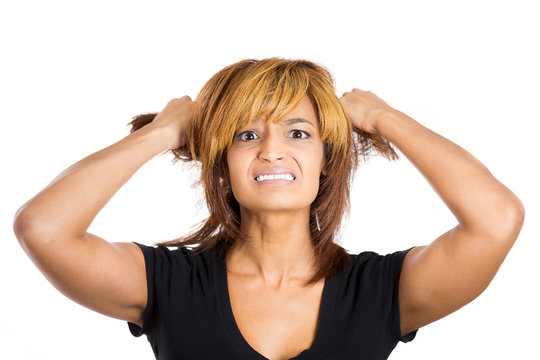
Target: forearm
x,y
69,204
475,197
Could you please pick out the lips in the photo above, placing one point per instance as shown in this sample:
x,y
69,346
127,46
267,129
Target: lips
x,y
273,171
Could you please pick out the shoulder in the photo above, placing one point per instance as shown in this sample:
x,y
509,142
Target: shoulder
x,y
374,272
162,257
370,259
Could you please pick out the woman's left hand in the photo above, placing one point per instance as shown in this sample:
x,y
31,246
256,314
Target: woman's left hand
x,y
365,109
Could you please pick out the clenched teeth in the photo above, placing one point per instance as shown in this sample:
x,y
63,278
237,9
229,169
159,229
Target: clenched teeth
x,y
277,176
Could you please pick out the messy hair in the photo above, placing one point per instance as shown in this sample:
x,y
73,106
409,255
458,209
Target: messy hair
x,y
271,88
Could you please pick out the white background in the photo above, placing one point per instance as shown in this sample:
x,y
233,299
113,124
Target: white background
x,y
74,73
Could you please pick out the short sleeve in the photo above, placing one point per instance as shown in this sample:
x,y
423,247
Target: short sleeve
x,y
163,268
381,278
395,321
151,311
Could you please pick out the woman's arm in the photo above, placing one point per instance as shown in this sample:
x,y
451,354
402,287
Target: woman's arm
x,y
51,227
443,276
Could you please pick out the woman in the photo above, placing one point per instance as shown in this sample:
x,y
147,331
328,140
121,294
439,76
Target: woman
x,y
267,280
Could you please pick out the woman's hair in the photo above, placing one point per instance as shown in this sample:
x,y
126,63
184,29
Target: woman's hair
x,y
251,89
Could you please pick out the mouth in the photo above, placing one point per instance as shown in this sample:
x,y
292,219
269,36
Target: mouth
x,y
275,179
274,175
287,177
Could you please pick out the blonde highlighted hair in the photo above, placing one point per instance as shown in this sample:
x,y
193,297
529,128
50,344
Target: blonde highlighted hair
x,y
271,88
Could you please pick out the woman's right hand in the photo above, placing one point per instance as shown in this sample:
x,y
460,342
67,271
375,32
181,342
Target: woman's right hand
x,y
175,118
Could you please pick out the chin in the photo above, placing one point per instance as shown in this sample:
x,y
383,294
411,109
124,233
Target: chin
x,y
276,207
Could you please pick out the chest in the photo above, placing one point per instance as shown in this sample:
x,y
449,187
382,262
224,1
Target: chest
x,y
277,324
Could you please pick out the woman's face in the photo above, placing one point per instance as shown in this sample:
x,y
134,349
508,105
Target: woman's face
x,y
291,147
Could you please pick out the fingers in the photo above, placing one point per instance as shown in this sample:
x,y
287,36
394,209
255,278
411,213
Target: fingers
x,y
357,91
183,98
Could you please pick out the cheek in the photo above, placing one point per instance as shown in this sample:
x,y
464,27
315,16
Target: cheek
x,y
237,169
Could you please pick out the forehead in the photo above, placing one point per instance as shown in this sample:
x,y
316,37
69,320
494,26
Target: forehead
x,y
305,107
304,113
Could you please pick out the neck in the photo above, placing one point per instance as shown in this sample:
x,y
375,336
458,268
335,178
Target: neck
x,y
279,248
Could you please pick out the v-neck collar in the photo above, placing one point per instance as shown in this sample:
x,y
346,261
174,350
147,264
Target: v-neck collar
x,y
245,351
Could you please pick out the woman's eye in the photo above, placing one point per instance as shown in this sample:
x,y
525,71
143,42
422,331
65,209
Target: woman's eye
x,y
246,136
300,132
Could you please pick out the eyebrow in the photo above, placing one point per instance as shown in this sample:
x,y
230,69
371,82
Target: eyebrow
x,y
294,121
297,120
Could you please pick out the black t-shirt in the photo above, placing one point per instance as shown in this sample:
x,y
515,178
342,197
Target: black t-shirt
x,y
189,316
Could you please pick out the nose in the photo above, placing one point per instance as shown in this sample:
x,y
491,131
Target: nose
x,y
271,148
